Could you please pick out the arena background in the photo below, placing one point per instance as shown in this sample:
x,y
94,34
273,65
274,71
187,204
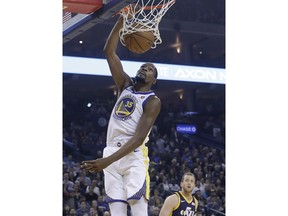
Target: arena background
x,y
49,76
192,117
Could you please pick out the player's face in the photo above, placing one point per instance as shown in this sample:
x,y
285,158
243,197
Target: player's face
x,y
146,74
188,183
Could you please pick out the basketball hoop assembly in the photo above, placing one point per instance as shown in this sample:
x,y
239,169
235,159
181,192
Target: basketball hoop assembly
x,y
142,16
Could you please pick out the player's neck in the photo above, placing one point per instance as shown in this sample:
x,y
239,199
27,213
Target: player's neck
x,y
187,195
141,88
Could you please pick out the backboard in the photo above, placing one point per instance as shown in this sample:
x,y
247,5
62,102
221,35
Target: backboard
x,y
81,15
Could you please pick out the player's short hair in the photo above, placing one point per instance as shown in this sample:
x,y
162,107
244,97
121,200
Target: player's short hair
x,y
187,173
155,70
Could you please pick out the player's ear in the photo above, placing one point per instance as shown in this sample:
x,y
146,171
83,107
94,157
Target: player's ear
x,y
154,85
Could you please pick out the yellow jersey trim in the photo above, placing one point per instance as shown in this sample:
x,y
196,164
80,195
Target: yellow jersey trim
x,y
146,162
188,201
178,203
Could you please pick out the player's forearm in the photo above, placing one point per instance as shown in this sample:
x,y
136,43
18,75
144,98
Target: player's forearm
x,y
128,147
113,39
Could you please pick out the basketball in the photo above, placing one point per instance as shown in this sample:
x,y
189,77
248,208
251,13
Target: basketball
x,y
139,42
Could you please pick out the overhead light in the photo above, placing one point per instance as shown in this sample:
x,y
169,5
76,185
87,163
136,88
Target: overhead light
x,y
180,93
178,48
178,90
81,42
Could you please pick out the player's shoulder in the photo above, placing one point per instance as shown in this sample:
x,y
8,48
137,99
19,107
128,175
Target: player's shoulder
x,y
173,199
154,99
195,201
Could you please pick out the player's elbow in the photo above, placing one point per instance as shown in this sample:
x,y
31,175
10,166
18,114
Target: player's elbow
x,y
109,54
107,51
138,140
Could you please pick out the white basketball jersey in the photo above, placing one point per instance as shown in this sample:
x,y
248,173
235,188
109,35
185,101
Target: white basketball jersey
x,y
125,116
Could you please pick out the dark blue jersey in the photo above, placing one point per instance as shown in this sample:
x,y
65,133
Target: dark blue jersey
x,y
185,207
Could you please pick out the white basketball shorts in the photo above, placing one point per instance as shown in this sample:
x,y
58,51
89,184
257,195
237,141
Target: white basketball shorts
x,y
127,178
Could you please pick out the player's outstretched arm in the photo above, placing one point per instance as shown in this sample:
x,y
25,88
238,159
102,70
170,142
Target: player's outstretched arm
x,y
150,113
120,78
169,204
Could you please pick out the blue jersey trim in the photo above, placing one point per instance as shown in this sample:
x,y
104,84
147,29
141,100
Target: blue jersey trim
x,y
139,194
145,101
110,200
138,92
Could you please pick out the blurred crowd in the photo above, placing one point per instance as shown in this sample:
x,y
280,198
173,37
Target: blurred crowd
x,y
171,154
204,11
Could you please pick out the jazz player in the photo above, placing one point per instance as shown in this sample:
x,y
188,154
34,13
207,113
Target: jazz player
x,y
125,158
181,203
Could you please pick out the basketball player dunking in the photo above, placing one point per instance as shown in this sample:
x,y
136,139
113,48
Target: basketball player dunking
x,y
182,202
125,158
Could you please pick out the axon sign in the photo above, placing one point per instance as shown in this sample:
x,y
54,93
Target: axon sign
x,y
192,74
186,129
199,74
165,71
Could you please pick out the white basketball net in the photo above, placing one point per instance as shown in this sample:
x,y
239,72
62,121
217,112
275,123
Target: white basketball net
x,y
144,15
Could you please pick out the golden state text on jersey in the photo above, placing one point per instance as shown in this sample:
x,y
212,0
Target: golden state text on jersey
x,y
125,107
